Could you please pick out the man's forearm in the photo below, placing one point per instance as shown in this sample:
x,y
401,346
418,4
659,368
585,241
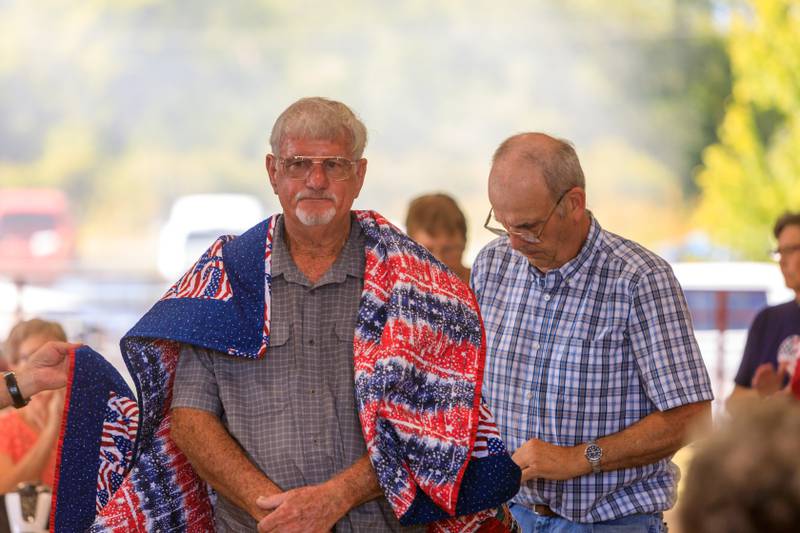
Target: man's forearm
x,y
652,438
219,459
656,436
319,507
357,483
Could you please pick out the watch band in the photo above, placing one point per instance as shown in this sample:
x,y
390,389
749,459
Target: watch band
x,y
13,390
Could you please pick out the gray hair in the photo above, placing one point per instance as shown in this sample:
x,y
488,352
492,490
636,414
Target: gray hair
x,y
319,118
556,159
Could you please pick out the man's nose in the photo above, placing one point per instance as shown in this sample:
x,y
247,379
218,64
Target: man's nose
x,y
317,179
517,241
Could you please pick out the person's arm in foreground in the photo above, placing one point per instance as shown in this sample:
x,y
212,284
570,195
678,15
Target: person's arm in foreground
x,y
319,507
652,438
46,369
219,459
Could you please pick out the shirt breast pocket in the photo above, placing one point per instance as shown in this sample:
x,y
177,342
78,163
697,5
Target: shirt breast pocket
x,y
255,387
591,368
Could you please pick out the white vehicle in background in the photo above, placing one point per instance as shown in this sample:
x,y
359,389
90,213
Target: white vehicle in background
x,y
196,220
723,299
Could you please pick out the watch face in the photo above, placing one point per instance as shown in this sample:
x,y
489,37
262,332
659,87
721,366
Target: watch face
x,y
593,452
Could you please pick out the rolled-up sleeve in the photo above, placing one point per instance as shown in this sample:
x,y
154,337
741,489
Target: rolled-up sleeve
x,y
663,342
195,382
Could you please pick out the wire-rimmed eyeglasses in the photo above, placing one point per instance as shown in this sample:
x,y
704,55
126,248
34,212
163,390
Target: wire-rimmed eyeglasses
x,y
299,167
531,237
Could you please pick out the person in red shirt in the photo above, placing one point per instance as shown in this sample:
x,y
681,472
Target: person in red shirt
x,y
29,436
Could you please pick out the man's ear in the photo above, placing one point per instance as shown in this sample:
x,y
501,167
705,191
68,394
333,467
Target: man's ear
x,y
271,162
576,202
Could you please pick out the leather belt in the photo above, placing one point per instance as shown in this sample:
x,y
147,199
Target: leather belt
x,y
543,510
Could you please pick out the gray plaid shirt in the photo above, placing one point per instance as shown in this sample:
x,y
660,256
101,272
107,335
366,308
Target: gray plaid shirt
x,y
294,411
586,351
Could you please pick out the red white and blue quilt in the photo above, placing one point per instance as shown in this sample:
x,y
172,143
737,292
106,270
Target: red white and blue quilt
x,y
419,352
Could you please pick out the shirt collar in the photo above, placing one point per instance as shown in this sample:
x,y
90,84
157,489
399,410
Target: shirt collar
x,y
350,261
573,269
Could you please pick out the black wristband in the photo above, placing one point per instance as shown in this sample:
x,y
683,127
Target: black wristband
x,y
13,390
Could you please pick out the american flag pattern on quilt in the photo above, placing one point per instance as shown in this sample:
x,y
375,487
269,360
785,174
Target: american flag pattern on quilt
x,y
418,358
206,278
120,425
161,492
487,438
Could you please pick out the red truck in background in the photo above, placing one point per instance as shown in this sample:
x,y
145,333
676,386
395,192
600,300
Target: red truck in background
x,y
37,234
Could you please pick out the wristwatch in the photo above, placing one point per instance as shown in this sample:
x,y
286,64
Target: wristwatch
x,y
593,454
13,390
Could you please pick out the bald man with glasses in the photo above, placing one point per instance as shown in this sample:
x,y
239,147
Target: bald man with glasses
x,y
592,368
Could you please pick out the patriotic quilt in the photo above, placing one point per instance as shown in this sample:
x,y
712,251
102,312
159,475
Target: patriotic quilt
x,y
419,351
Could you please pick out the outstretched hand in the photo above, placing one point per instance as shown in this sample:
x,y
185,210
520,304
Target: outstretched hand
x,y
45,369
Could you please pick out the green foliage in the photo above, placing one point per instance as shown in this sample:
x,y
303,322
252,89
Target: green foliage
x,y
753,174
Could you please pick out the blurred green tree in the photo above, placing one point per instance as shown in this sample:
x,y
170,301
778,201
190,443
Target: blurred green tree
x,y
753,173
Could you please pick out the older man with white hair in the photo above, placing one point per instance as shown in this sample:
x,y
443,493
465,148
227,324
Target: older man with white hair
x,y
283,439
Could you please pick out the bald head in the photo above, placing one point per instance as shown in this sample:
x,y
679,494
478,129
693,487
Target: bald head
x,y
536,191
554,159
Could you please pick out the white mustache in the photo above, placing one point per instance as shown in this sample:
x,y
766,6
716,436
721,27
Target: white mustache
x,y
306,195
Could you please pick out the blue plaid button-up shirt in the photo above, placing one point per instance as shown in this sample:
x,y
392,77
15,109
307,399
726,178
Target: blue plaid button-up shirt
x,y
585,351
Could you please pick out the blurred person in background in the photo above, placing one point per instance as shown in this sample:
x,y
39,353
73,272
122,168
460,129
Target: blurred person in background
x,y
29,435
592,367
746,477
773,342
436,222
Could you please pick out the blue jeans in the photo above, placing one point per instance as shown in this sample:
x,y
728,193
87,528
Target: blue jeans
x,y
530,522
